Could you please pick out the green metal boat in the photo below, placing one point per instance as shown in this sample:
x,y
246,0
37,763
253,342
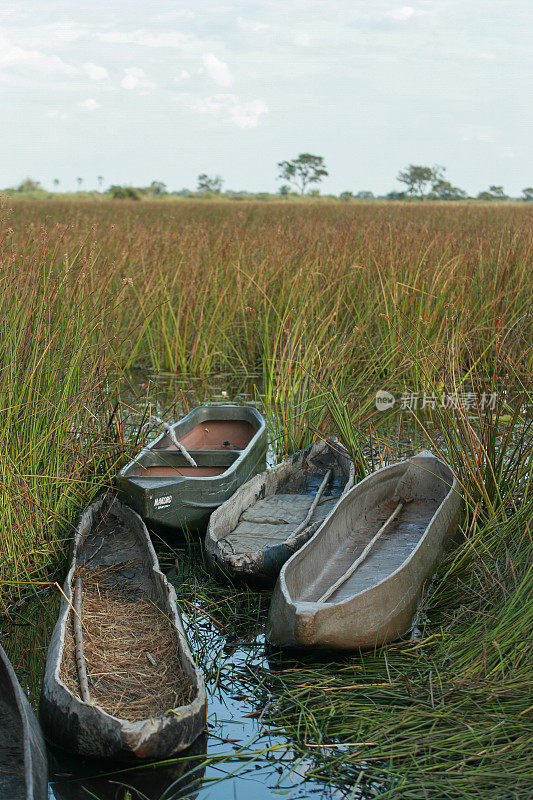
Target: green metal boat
x,y
228,445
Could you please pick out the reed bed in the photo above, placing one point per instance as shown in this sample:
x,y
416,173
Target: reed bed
x,y
316,306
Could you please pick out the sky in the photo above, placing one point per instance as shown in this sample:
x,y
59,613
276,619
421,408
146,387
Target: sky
x,y
163,90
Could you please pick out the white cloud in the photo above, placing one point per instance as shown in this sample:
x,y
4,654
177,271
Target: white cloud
x,y
302,39
217,70
247,115
402,13
230,109
95,72
89,104
136,78
183,76
57,114
12,55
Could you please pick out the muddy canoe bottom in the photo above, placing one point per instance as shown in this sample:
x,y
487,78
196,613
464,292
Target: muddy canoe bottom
x,y
228,444
343,591
254,532
23,764
144,696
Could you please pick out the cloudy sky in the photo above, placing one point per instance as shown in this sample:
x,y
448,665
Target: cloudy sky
x,y
136,91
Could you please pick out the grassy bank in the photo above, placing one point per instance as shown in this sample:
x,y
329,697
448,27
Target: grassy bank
x,y
319,305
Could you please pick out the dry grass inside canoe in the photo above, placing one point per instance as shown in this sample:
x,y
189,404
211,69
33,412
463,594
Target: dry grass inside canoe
x,y
131,653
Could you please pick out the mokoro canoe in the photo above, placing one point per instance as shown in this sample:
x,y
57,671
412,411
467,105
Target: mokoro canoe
x,y
144,696
339,592
23,764
228,444
268,518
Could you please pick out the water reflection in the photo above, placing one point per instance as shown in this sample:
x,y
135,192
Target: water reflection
x,y
73,777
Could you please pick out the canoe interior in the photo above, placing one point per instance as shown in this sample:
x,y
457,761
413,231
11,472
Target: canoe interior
x,y
272,519
310,576
12,768
123,620
214,434
172,464
179,472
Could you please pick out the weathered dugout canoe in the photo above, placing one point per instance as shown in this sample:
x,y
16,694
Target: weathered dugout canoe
x,y
23,764
112,547
253,533
376,603
228,444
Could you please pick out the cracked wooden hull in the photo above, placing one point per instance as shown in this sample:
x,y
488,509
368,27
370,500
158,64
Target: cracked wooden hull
x,y
376,604
249,535
87,728
23,763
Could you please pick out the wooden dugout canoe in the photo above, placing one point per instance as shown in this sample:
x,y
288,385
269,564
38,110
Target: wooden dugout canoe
x,y
228,444
128,615
376,603
254,532
23,763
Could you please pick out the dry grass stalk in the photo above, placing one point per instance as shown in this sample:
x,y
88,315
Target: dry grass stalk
x,y
131,653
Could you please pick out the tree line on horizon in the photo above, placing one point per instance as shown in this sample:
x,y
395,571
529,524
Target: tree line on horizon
x,y
300,176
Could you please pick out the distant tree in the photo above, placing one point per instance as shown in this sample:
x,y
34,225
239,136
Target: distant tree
x,y
237,194
443,190
527,194
493,193
497,192
346,195
396,195
284,189
158,188
124,193
79,181
303,171
29,185
210,184
56,183
100,180
416,178
365,195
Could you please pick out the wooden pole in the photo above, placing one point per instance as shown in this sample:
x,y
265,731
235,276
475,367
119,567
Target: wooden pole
x,y
294,535
350,571
78,638
170,430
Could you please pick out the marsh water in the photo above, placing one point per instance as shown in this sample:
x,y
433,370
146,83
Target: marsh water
x,y
240,756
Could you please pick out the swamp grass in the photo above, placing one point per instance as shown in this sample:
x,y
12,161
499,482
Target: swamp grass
x,y
322,304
